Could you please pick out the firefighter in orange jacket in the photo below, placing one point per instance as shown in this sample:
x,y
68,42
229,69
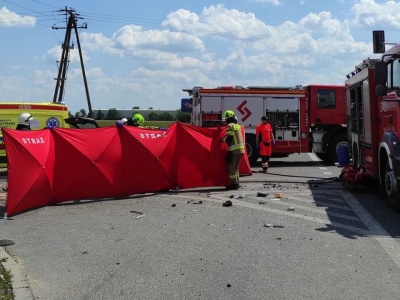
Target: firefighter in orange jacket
x,y
234,139
264,141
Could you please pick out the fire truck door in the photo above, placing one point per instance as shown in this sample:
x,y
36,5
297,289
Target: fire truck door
x,y
285,118
211,111
210,104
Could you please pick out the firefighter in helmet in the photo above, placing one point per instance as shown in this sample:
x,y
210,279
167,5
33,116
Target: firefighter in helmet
x,y
24,121
137,120
234,140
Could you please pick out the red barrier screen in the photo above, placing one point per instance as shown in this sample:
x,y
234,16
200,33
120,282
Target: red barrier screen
x,y
52,166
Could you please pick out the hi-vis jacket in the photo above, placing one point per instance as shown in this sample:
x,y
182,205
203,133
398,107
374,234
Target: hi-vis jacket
x,y
234,138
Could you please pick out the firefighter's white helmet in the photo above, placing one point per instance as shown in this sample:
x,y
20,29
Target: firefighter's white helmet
x,y
25,118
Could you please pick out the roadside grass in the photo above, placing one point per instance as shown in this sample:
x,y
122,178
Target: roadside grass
x,y
6,292
104,123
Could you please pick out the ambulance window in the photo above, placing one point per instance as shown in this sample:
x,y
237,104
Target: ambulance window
x,y
326,98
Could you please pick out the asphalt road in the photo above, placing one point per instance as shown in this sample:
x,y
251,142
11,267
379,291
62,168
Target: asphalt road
x,y
307,238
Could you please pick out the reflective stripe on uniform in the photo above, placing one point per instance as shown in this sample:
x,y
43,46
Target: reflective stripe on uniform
x,y
235,132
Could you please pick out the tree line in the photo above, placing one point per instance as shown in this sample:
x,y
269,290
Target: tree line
x,y
113,114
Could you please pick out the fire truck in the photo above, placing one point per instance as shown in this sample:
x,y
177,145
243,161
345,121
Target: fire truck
x,y
373,114
304,118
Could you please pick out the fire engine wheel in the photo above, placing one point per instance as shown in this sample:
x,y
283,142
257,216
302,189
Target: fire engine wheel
x,y
334,145
251,149
390,186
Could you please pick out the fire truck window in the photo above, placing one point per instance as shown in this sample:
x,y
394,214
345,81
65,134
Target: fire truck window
x,y
326,98
389,76
395,79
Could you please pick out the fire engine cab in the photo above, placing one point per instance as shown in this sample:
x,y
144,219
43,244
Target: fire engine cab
x,y
304,118
373,113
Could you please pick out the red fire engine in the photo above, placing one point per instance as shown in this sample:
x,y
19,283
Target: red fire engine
x,y
304,118
373,109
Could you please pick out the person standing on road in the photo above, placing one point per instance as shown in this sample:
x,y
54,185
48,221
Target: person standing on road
x,y
264,141
234,140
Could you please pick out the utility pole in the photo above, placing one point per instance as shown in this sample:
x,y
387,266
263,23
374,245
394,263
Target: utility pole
x,y
63,67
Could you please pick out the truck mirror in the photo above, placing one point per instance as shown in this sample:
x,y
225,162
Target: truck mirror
x,y
380,72
381,90
378,37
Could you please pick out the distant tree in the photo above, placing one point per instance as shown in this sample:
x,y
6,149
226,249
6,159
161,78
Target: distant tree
x,y
112,114
83,112
78,114
152,116
165,116
136,107
182,116
100,115
70,115
150,107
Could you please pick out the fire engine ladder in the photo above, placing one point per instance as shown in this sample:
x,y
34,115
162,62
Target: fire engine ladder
x,y
63,67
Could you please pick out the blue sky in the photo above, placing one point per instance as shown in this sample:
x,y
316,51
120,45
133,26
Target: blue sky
x,y
143,53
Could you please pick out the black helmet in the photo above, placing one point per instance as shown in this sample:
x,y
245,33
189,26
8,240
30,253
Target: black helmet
x,y
264,118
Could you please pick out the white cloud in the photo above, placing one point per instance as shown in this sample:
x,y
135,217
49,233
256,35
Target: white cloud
x,y
231,23
98,42
273,2
132,37
371,14
11,19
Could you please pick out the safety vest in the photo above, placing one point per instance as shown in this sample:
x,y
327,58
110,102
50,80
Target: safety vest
x,y
235,140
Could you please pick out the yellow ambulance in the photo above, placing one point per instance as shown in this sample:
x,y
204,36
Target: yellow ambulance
x,y
44,115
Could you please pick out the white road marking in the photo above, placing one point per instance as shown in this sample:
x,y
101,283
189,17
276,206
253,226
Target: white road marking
x,y
221,199
313,157
327,173
389,244
323,168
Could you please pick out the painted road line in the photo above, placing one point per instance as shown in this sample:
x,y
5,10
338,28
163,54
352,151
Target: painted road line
x,y
321,210
313,157
349,228
237,202
389,244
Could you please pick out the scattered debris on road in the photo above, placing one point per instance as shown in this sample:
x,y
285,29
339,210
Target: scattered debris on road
x,y
138,214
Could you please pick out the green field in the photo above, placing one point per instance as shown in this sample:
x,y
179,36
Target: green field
x,y
104,123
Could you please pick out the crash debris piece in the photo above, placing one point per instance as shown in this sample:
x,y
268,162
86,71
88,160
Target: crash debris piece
x,y
227,203
262,194
137,215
